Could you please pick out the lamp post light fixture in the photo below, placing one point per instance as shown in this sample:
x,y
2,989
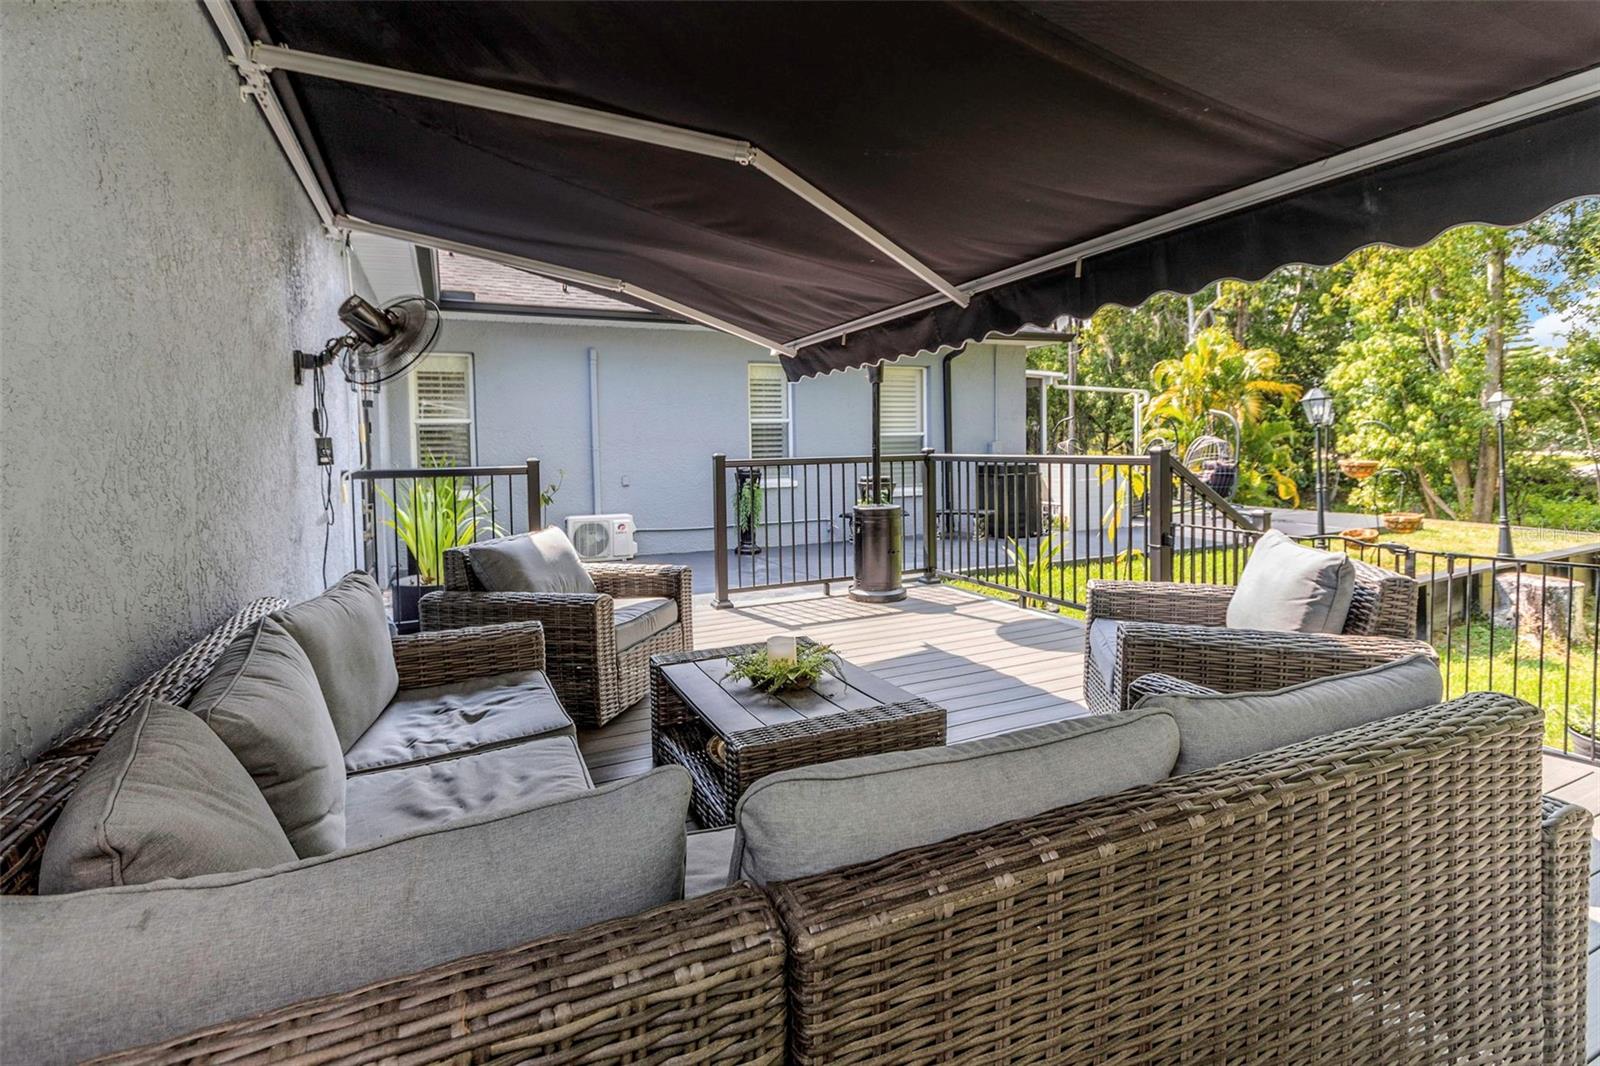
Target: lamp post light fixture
x,y
1499,406
1318,406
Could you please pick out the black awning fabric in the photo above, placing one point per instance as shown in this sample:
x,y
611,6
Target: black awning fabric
x,y
977,137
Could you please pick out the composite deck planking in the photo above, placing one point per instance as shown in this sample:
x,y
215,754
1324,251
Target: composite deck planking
x,y
992,666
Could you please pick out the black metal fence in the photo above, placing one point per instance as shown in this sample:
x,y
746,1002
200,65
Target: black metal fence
x,y
782,523
1039,528
404,519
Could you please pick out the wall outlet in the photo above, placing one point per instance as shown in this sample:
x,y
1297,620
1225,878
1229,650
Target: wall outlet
x,y
324,451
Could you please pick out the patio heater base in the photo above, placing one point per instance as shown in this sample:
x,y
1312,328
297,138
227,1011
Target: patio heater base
x,y
878,544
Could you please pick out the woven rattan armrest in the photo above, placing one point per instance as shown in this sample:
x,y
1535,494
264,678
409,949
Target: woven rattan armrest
x,y
1162,685
1158,601
457,654
639,579
699,981
1249,660
1568,846
589,613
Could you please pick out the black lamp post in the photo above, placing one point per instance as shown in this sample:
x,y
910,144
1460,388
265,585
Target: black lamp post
x,y
1318,406
1499,405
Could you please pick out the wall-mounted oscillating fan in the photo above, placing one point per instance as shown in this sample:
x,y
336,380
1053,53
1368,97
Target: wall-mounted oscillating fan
x,y
383,343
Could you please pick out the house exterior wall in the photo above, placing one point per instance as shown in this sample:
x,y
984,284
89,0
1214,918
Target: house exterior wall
x,y
669,399
158,262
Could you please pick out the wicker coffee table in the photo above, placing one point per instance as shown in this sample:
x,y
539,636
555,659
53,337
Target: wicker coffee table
x,y
726,734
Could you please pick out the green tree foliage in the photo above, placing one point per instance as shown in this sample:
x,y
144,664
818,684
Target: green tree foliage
x,y
1408,341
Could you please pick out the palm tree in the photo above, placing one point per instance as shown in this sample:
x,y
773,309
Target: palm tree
x,y
1216,373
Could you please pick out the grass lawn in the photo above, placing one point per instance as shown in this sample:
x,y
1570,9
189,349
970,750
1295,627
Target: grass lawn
x,y
1468,538
1565,686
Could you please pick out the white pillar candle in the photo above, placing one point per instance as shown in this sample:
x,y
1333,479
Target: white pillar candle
x,y
781,648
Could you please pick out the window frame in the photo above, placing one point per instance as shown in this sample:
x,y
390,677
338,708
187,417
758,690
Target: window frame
x,y
751,422
417,422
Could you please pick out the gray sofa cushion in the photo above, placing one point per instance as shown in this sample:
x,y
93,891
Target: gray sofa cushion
x,y
163,798
95,971
709,858
345,634
638,618
1289,588
542,561
1103,648
1218,728
815,818
442,720
404,799
262,698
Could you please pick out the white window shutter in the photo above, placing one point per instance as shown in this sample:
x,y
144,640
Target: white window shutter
x,y
901,410
441,411
768,403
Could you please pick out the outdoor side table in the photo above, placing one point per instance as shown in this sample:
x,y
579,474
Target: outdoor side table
x,y
727,735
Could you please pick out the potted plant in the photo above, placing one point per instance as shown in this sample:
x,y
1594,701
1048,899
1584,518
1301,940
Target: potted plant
x,y
770,671
749,503
432,515
1581,743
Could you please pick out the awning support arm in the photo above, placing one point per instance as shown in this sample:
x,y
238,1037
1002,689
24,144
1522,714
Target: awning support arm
x,y
267,57
256,85
559,273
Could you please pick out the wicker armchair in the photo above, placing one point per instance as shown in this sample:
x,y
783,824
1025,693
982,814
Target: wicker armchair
x,y
1180,630
595,680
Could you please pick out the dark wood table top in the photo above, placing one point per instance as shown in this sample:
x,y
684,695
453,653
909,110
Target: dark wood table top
x,y
730,707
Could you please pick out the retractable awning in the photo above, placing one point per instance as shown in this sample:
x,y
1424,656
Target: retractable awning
x,y
849,183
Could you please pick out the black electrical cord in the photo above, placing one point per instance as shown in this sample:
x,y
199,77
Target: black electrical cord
x,y
319,425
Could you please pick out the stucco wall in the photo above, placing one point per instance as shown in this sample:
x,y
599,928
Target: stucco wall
x,y
158,262
669,399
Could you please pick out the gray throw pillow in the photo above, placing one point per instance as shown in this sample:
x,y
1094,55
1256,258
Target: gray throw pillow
x,y
164,798
1219,727
1290,588
542,561
345,634
815,818
263,700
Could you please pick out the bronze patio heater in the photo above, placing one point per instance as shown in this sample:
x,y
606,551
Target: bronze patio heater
x,y
878,522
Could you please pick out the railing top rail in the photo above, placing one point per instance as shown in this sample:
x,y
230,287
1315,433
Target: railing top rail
x,y
1060,460
820,460
439,471
1212,497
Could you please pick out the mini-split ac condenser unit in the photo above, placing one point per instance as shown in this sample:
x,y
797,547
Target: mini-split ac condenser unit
x,y
602,537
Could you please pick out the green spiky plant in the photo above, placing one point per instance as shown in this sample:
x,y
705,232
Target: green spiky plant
x,y
1032,570
436,514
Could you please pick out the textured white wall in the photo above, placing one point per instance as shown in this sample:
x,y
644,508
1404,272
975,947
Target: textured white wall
x,y
158,262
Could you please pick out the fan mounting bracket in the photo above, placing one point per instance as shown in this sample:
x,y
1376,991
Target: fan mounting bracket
x,y
305,361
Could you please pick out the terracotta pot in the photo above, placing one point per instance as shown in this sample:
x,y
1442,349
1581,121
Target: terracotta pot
x,y
1402,522
1361,536
1360,469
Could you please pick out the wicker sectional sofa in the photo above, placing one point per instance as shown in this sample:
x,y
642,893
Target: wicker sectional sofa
x,y
1393,893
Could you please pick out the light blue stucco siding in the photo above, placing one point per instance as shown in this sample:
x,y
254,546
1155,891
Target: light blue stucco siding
x,y
668,399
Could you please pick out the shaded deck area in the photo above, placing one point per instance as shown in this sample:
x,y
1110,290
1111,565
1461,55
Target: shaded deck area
x,y
991,665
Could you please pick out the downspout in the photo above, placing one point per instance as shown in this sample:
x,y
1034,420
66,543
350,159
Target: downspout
x,y
594,428
947,400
